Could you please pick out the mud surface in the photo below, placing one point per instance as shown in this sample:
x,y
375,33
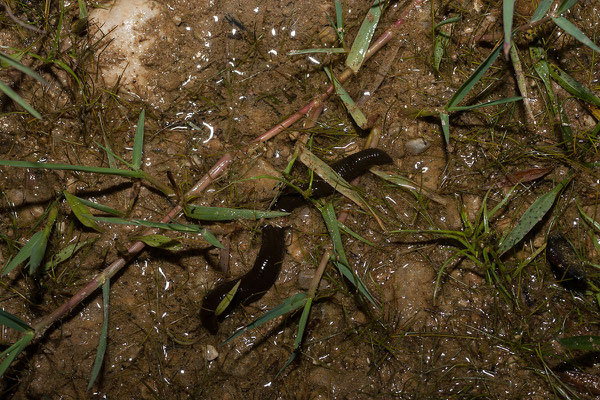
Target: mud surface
x,y
214,75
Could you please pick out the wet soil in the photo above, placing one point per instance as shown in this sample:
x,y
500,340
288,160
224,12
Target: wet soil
x,y
212,76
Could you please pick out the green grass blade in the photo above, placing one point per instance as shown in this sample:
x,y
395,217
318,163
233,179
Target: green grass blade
x,y
111,154
19,100
574,31
355,235
585,343
24,253
83,12
341,262
542,68
299,334
13,351
103,335
160,225
82,213
473,79
353,109
223,304
406,183
69,167
159,241
363,38
70,71
4,59
339,20
99,207
66,253
228,214
565,5
448,21
333,50
439,47
13,322
531,217
508,10
290,304
592,222
138,143
488,104
445,121
38,252
572,86
541,10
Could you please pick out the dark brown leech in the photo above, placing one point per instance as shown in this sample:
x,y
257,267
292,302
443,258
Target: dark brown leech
x,y
253,285
564,263
348,168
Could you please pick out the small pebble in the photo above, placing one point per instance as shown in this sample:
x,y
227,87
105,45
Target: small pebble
x,y
210,353
416,146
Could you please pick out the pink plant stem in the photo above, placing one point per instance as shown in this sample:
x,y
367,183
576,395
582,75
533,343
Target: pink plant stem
x,y
41,325
378,44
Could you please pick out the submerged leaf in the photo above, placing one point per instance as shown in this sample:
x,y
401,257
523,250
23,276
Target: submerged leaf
x,y
227,214
82,213
13,322
103,335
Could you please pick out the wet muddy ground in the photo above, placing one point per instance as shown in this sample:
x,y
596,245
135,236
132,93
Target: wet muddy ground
x,y
211,77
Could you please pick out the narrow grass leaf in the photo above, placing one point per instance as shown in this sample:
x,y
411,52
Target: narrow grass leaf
x,y
70,71
160,225
441,40
13,351
83,12
111,154
13,322
447,21
592,222
333,179
227,214
541,10
227,299
355,235
4,59
406,183
508,10
565,5
574,31
159,241
138,143
445,121
353,109
66,253
38,252
340,261
585,343
531,217
24,253
339,20
103,335
290,304
82,213
69,167
299,334
488,104
19,100
542,68
473,79
99,207
363,38
333,50
572,86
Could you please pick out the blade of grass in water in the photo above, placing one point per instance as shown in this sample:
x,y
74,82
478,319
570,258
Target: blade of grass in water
x,y
19,100
82,213
227,214
445,121
572,30
290,304
65,254
13,322
339,21
508,9
585,343
341,261
355,235
99,207
488,104
38,252
103,335
565,5
227,299
13,351
334,50
159,241
410,185
26,70
531,217
69,167
172,227
363,38
541,10
573,86
353,109
299,334
138,143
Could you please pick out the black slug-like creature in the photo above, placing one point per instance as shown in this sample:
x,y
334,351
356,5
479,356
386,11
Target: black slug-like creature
x,y
253,285
349,168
